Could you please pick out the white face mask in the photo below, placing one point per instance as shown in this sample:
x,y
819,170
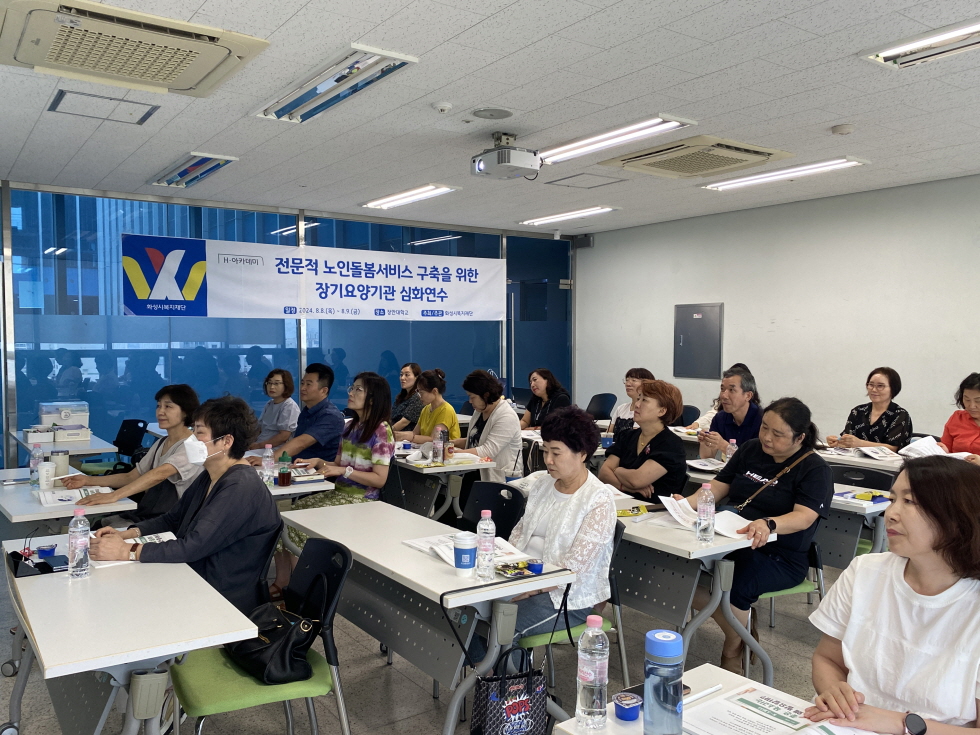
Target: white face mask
x,y
196,450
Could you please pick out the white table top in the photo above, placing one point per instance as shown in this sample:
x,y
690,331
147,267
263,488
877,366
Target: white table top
x,y
374,533
19,504
452,469
120,614
463,420
156,431
703,677
95,445
685,436
888,465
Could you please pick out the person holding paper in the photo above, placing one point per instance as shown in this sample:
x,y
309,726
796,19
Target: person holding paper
x,y
650,460
621,418
739,417
163,474
880,423
962,430
549,395
569,521
900,651
408,404
226,523
779,485
437,410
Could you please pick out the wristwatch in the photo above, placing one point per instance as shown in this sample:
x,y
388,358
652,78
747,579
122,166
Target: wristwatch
x,y
132,552
771,523
914,725
349,471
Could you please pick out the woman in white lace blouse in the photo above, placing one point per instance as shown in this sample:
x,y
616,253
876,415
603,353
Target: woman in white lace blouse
x,y
569,521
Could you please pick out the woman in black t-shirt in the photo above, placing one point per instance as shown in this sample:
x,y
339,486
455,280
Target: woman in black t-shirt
x,y
548,396
791,506
650,460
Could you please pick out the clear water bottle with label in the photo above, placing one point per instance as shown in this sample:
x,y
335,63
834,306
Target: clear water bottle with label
x,y
663,668
268,466
706,514
486,541
730,450
37,456
78,540
593,675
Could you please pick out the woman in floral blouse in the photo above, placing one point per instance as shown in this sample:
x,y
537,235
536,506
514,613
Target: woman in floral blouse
x,y
880,423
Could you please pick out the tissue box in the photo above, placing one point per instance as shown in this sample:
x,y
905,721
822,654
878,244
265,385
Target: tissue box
x,y
38,435
72,433
64,412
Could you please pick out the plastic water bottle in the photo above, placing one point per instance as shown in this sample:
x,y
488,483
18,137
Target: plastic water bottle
x,y
268,466
662,688
438,449
730,450
78,533
37,456
706,514
593,675
486,542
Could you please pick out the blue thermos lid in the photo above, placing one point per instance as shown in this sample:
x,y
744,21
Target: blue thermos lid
x,y
664,646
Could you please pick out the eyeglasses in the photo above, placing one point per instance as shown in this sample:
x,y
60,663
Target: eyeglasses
x,y
273,382
355,389
632,381
877,386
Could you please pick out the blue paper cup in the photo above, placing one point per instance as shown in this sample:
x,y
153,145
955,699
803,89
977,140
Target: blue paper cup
x,y
536,566
464,550
606,441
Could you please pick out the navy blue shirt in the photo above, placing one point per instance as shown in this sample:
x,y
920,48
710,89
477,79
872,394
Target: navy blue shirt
x,y
724,424
325,423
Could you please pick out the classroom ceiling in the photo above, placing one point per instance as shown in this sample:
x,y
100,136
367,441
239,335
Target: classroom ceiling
x,y
773,73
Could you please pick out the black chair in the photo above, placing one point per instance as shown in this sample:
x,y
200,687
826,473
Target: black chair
x,y
466,409
521,395
128,441
601,406
917,435
690,415
505,503
419,491
263,587
862,477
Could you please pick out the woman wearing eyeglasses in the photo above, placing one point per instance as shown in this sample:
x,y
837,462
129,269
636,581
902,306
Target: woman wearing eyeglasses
x,y
278,419
880,423
621,418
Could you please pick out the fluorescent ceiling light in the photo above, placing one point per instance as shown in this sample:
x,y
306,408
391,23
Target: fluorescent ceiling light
x,y
59,251
929,46
192,170
435,239
636,131
292,228
49,251
577,214
782,174
352,71
407,197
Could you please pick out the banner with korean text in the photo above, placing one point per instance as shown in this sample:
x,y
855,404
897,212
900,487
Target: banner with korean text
x,y
173,276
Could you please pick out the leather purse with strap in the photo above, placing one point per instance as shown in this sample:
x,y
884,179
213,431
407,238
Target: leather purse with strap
x,y
770,482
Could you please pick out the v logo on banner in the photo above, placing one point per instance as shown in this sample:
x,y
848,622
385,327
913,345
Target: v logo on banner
x,y
165,286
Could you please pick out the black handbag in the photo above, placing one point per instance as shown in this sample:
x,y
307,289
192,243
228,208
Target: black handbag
x,y
278,654
505,704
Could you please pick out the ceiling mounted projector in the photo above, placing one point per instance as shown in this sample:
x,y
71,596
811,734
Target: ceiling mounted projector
x,y
505,160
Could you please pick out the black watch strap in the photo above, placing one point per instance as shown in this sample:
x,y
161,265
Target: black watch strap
x,y
915,725
771,523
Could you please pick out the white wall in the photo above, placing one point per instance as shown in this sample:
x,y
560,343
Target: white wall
x,y
816,294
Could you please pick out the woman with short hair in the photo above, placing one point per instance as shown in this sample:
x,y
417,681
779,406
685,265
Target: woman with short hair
x,y
226,523
278,419
900,651
436,411
569,521
962,430
621,417
880,423
549,395
494,430
408,403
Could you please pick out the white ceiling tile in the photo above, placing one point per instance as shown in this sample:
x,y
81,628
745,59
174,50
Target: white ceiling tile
x,y
830,16
483,7
936,13
742,47
420,27
810,99
636,54
49,147
374,11
638,84
709,85
178,9
523,23
629,19
314,36
731,16
444,64
722,103
537,60
544,91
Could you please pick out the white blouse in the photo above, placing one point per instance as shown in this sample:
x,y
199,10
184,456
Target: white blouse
x,y
579,536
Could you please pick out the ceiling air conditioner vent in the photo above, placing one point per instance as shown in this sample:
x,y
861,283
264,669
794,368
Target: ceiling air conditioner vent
x,y
99,43
702,155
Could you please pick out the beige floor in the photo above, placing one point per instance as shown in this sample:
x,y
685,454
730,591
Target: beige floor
x,y
397,699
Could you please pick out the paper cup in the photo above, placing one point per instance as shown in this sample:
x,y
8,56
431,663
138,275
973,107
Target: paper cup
x,y
464,548
46,475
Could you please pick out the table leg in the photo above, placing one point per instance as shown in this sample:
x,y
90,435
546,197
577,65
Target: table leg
x,y
724,571
20,685
469,682
691,628
446,502
880,536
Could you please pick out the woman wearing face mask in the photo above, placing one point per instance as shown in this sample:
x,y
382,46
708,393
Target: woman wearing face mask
x,y
408,403
226,523
163,474
880,423
438,411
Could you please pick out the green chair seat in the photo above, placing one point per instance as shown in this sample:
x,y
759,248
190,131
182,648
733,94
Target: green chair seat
x,y
96,468
545,639
864,547
806,586
208,682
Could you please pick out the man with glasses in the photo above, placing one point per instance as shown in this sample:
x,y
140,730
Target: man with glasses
x,y
320,423
739,417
